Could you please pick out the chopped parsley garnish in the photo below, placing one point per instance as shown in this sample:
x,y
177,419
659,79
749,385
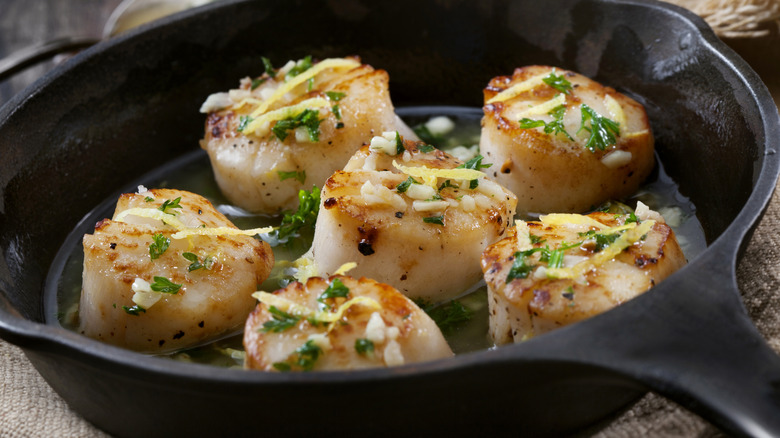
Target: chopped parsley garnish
x,y
558,82
148,199
257,82
308,119
446,184
632,218
134,310
448,316
162,284
159,245
535,239
170,205
336,289
196,264
427,136
554,258
404,186
300,176
335,96
399,144
281,321
602,130
301,66
555,127
437,220
307,355
336,111
269,68
520,266
425,148
243,122
474,164
364,346
308,207
602,240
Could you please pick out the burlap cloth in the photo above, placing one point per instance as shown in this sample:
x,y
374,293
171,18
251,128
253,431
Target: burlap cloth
x,y
30,408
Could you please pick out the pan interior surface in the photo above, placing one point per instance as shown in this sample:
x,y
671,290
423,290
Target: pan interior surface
x,y
128,105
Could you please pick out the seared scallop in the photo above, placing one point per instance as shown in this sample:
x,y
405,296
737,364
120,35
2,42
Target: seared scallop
x,y
339,323
562,142
568,267
168,271
292,127
410,216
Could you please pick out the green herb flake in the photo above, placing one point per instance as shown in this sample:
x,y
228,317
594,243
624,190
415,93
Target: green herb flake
x,y
404,186
308,119
158,246
474,164
336,111
569,293
269,68
196,264
427,136
602,130
308,207
555,258
134,310
335,96
399,144
364,346
282,366
149,199
336,289
281,321
162,284
555,127
448,316
300,176
632,219
257,82
301,66
558,82
243,122
536,239
447,184
168,206
426,148
436,220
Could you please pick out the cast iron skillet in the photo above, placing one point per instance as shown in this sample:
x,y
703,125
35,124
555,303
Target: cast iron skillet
x,y
126,106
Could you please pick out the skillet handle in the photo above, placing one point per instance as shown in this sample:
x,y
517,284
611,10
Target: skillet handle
x,y
691,340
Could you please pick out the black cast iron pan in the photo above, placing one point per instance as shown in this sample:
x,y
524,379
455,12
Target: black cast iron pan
x,y
128,105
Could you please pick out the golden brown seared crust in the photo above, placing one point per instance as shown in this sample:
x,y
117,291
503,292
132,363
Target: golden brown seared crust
x,y
552,173
417,337
525,307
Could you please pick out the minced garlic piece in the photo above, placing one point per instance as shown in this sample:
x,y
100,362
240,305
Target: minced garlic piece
x,y
377,194
392,354
616,158
430,205
467,203
375,328
386,143
143,295
420,192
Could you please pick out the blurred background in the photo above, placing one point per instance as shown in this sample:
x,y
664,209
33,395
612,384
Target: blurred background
x,y
28,28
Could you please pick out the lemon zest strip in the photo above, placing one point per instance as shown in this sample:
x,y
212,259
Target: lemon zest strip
x,y
334,63
151,213
430,176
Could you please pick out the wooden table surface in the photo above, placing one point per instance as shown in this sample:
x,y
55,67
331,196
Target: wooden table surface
x,y
25,22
